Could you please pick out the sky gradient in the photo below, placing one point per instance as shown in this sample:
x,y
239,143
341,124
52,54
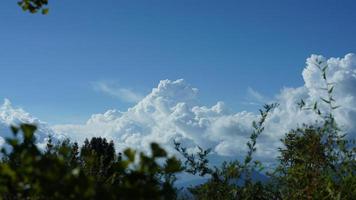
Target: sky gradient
x,y
55,65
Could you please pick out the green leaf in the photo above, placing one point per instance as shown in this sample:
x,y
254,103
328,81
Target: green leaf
x,y
315,106
335,107
28,130
173,165
130,154
325,68
326,101
331,90
12,142
14,130
157,151
7,171
45,11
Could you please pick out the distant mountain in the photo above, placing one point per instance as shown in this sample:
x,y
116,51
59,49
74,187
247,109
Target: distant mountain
x,y
186,181
194,181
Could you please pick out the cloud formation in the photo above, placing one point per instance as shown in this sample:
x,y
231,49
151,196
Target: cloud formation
x,y
171,112
256,98
14,116
113,89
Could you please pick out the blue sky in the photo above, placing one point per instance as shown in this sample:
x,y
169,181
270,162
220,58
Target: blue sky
x,y
50,64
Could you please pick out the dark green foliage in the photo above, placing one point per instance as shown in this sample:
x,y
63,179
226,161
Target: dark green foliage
x,y
34,6
26,172
307,170
317,162
97,159
63,171
195,163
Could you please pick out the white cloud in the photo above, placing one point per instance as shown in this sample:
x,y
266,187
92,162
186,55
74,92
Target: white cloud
x,y
171,112
15,116
113,89
256,98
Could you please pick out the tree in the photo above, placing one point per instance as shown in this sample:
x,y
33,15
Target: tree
x,y
28,173
59,172
232,180
34,6
316,161
97,158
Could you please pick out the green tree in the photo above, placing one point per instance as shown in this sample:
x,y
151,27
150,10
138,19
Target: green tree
x,y
97,158
232,180
34,6
317,161
61,172
28,173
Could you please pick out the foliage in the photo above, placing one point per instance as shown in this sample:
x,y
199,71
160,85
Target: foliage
x,y
26,172
63,171
34,6
232,180
317,161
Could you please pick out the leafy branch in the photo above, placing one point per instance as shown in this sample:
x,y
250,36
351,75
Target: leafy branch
x,y
34,6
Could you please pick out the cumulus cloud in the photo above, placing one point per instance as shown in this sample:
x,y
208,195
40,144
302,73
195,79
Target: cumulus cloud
x,y
171,112
113,89
10,115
